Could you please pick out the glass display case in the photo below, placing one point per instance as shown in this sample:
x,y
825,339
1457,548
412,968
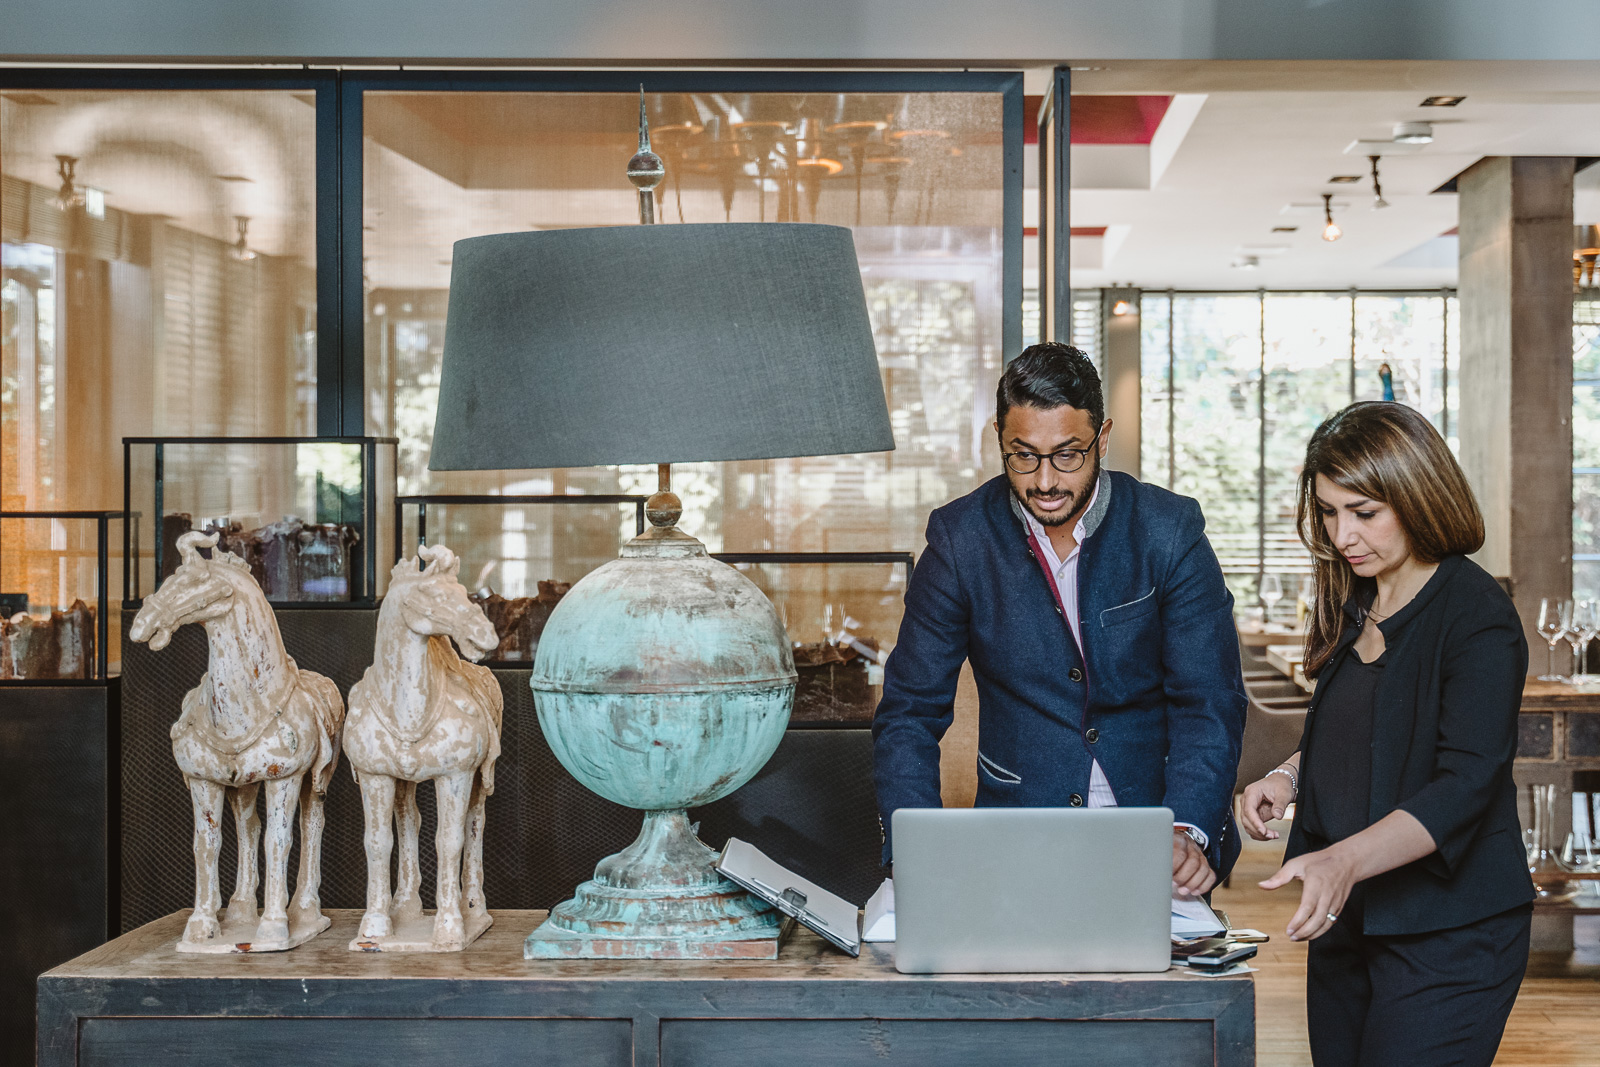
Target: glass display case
x,y
520,553
55,574
311,515
842,610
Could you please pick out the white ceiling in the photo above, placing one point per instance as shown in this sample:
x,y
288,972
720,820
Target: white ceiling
x,y
1272,134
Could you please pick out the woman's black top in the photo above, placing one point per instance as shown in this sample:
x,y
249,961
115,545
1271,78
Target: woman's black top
x,y
1443,738
1336,783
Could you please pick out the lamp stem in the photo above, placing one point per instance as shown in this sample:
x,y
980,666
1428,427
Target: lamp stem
x,y
663,477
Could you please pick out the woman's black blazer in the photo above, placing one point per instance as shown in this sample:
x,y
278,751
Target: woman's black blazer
x,y
1444,735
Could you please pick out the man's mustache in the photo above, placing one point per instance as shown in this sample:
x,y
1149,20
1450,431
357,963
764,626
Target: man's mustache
x,y
1049,494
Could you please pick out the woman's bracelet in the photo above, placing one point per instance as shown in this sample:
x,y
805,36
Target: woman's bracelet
x,y
1294,779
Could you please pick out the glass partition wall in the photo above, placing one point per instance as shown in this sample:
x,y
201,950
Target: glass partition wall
x,y
925,170
1234,383
158,276
255,254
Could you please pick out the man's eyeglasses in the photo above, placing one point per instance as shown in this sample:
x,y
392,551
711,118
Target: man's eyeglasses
x,y
1065,460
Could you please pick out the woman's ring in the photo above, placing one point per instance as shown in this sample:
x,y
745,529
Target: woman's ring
x,y
1332,917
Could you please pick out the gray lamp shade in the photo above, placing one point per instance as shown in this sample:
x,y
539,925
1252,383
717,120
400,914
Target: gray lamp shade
x,y
657,344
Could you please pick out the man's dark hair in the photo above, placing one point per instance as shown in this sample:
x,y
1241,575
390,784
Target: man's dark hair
x,y
1050,375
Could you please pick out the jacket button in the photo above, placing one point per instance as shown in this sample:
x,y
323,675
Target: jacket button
x,y
1075,800
1076,674
1091,735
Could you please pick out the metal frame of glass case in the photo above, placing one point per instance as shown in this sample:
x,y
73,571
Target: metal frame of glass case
x,y
364,584
102,521
907,559
420,503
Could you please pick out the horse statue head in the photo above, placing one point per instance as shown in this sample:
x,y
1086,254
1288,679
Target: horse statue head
x,y
434,603
198,591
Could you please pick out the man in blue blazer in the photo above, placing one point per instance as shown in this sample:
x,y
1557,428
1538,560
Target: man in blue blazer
x,y
1099,630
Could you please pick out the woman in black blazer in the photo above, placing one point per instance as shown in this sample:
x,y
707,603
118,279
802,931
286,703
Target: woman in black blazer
x,y
1415,890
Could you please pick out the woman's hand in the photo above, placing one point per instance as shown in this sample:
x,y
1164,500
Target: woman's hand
x,y
1264,800
1327,878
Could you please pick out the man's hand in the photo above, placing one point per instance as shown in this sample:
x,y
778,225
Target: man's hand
x,y
1192,876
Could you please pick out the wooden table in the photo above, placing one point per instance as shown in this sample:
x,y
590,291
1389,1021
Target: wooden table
x,y
1254,635
1288,659
135,1000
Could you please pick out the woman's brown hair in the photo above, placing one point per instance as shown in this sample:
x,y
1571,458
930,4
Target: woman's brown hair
x,y
1389,453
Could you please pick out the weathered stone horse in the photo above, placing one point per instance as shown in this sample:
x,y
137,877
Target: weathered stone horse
x,y
254,718
420,713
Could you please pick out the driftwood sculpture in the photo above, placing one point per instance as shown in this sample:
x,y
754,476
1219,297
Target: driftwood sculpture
x,y
419,714
254,718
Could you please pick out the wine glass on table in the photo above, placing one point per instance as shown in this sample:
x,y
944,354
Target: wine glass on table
x,y
1552,628
1574,630
1271,593
1586,620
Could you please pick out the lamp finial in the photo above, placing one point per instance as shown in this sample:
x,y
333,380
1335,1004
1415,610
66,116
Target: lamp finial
x,y
645,169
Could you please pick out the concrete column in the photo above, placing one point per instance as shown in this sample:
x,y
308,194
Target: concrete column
x,y
1119,374
1516,370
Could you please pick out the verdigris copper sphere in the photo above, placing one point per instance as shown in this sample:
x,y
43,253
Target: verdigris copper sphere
x,y
664,679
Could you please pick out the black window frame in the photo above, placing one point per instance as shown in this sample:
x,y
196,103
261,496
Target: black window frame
x,y
339,145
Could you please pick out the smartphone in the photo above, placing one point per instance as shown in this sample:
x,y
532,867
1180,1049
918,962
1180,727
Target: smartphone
x,y
1212,952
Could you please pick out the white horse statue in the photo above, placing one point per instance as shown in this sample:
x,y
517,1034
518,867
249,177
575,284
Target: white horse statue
x,y
420,713
255,717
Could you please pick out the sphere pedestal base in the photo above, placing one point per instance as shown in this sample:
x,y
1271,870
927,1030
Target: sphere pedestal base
x,y
658,899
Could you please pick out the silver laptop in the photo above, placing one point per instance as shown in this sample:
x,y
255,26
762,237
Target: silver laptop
x,y
984,890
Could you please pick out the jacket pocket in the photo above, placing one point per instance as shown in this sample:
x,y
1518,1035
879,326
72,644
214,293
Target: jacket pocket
x,y
1133,609
997,772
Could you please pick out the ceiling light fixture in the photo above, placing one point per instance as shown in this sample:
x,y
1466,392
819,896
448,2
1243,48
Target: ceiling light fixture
x,y
69,196
1413,133
1121,308
1285,229
1585,253
1344,179
1442,101
1331,231
241,248
1247,263
1377,187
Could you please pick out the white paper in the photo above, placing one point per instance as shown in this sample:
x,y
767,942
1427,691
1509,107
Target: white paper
x,y
1192,917
879,922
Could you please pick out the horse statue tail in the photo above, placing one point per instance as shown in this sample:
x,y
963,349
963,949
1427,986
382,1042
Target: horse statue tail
x,y
493,701
329,707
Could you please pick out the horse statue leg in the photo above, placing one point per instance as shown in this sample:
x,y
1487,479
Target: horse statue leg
x,y
451,793
377,805
282,795
308,880
408,826
247,827
472,863
207,798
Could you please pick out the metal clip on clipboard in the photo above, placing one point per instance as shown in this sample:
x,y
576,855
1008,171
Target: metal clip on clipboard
x,y
832,917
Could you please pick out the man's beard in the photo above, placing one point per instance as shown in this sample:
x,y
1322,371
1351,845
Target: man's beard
x,y
1075,505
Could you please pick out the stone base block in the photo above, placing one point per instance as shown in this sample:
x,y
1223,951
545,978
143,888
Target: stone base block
x,y
414,933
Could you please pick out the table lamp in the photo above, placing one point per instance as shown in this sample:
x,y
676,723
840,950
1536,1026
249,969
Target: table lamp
x,y
663,679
